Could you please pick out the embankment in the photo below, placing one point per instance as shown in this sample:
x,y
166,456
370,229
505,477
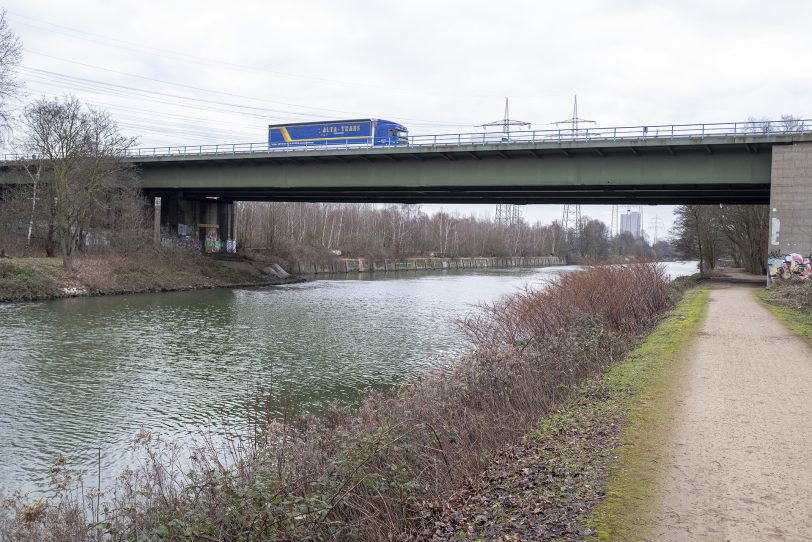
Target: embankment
x,y
28,279
588,469
384,471
646,388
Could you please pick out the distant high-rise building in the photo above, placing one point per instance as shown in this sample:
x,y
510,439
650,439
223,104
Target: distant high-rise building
x,y
630,222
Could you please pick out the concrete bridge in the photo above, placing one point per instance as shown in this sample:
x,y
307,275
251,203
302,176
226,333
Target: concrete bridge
x,y
732,163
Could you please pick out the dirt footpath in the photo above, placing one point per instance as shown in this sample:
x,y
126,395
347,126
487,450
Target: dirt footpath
x,y
740,467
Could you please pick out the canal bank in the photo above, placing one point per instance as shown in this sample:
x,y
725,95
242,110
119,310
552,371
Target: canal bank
x,y
441,402
33,279
168,270
588,469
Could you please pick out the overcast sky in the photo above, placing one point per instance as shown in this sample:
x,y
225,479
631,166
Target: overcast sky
x,y
184,73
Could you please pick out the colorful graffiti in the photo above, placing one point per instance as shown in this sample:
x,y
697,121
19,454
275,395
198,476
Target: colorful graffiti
x,y
791,265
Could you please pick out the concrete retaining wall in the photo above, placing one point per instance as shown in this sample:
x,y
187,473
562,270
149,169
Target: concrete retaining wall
x,y
362,265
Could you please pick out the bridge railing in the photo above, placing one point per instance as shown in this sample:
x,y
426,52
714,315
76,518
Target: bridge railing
x,y
554,135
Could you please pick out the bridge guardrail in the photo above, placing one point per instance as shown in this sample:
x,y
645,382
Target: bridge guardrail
x,y
557,135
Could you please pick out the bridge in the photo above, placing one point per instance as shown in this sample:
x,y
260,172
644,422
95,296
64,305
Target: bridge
x,y
717,163
727,163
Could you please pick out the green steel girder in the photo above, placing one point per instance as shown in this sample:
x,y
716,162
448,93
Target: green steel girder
x,y
680,170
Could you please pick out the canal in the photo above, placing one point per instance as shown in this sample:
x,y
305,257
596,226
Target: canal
x,y
79,375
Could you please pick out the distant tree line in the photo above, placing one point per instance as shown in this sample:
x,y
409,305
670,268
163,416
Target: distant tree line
x,y
397,231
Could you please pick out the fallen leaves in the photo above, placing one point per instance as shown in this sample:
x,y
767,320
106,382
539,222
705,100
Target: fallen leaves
x,y
542,487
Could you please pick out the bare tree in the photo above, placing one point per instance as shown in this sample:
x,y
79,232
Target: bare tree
x,y
787,124
746,228
735,231
790,124
697,234
10,55
78,152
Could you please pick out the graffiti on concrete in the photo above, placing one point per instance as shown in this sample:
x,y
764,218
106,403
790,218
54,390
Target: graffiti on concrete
x,y
791,265
211,244
185,242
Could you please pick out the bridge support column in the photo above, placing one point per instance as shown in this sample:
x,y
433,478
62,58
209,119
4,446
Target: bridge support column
x,y
224,214
156,220
790,201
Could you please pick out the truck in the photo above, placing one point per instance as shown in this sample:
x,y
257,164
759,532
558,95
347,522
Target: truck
x,y
375,132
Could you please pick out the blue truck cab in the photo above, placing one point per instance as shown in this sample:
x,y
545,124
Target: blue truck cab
x,y
377,132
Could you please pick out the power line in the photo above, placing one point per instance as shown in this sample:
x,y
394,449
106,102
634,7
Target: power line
x,y
506,123
72,78
91,37
47,75
571,218
183,85
233,95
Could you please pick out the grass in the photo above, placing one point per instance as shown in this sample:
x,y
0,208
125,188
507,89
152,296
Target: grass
x,y
150,270
790,303
645,387
19,283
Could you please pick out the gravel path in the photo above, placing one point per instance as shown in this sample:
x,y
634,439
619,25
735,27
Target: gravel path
x,y
741,463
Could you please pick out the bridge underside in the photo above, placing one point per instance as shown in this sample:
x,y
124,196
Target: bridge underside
x,y
725,170
672,195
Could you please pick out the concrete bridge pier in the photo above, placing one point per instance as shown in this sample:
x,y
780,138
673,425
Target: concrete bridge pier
x,y
791,201
189,221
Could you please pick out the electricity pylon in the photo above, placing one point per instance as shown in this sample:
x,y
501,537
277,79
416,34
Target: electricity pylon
x,y
506,213
575,120
571,218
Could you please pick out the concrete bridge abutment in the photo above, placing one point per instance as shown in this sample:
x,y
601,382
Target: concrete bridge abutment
x,y
791,201
204,224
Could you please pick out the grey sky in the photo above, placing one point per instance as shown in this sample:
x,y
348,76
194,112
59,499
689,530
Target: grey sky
x,y
230,69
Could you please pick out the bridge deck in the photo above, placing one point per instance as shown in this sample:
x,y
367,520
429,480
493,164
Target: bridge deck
x,y
713,169
657,170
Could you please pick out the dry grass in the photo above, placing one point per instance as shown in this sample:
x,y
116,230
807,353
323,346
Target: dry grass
x,y
791,293
146,270
791,301
377,473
